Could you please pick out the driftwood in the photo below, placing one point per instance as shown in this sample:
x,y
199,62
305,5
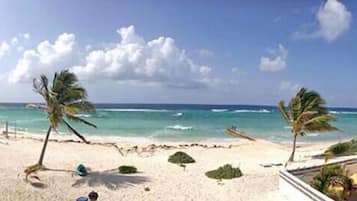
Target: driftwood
x,y
236,133
124,151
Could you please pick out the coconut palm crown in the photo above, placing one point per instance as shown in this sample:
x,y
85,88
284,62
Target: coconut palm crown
x,y
306,113
64,100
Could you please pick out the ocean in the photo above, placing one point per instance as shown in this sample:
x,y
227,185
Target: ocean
x,y
180,121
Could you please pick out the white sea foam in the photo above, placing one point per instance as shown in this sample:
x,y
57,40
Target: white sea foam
x,y
132,110
252,111
84,115
31,120
343,112
179,127
313,134
178,114
287,127
219,110
348,112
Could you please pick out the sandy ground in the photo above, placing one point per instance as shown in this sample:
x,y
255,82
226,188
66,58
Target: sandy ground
x,y
166,181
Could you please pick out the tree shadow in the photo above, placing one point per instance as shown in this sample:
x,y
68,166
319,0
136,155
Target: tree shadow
x,y
59,170
38,185
110,179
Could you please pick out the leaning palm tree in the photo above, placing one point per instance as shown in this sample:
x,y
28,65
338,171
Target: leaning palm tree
x,y
306,113
64,100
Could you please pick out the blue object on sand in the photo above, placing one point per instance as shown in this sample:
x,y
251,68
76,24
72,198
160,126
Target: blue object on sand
x,y
81,170
82,199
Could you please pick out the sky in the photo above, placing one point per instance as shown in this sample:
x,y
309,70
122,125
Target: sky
x,y
201,52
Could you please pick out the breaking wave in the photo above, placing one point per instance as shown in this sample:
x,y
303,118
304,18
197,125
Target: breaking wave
x,y
179,127
252,111
219,110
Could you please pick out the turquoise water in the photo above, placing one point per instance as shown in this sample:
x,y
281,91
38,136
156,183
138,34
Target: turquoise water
x,y
180,122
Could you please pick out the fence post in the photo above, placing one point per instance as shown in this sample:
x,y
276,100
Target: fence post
x,y
7,129
15,128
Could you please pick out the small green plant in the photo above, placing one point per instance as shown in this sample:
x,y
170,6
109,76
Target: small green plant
x,y
181,158
349,147
332,175
125,169
224,172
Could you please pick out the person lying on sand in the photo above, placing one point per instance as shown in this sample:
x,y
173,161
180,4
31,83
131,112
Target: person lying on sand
x,y
92,196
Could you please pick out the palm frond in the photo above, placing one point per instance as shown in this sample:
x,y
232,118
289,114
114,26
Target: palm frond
x,y
83,106
75,132
37,106
284,112
80,120
321,119
295,108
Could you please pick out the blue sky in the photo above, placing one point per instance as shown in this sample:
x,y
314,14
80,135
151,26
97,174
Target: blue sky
x,y
236,52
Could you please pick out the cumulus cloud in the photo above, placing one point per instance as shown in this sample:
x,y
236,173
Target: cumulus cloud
x,y
288,86
16,42
45,59
134,59
277,60
205,53
26,36
4,48
333,20
131,59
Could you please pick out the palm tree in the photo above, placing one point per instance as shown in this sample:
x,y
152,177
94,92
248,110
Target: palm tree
x,y
64,100
307,113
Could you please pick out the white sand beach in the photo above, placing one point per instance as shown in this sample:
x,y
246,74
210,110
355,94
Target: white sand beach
x,y
166,181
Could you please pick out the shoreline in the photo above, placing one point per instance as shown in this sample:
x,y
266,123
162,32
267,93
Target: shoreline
x,y
146,140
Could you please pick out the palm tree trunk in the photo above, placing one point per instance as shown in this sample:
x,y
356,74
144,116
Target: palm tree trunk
x,y
40,161
291,159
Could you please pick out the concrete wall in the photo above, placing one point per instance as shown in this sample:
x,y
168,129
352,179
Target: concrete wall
x,y
294,189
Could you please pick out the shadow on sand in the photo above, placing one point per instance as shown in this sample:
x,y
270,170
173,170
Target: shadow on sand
x,y
110,179
38,185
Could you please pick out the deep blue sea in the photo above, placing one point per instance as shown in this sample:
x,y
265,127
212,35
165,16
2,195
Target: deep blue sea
x,y
180,122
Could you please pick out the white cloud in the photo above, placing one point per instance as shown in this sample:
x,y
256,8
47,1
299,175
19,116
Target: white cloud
x,y
206,53
238,71
288,86
88,48
133,59
277,60
20,48
333,20
45,59
14,41
4,48
26,36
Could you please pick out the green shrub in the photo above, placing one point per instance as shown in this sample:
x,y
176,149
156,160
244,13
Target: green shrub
x,y
225,172
322,180
340,148
331,174
125,169
349,147
181,158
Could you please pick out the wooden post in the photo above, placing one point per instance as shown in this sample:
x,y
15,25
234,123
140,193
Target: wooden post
x,y
15,128
7,129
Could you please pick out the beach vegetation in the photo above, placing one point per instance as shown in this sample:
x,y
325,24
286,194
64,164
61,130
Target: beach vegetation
x,y
126,169
332,180
343,148
181,158
224,172
306,113
64,99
